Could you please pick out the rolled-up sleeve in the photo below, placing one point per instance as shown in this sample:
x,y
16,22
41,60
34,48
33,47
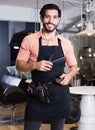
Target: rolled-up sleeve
x,y
24,52
69,52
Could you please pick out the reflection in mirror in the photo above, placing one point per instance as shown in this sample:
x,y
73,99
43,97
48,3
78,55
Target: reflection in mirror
x,y
85,48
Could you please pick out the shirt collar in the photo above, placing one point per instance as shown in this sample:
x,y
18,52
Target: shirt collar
x,y
56,36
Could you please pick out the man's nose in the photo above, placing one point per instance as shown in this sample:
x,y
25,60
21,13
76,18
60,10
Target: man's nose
x,y
50,19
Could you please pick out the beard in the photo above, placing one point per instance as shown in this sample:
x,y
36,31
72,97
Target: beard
x,y
49,30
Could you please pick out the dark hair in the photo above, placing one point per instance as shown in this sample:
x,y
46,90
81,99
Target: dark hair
x,y
51,7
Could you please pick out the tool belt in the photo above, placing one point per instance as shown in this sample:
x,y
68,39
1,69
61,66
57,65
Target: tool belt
x,y
40,91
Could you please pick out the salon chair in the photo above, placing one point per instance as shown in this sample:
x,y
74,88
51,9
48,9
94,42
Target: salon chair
x,y
75,112
74,104
11,95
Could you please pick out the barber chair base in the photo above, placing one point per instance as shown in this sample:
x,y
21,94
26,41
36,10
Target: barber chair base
x,y
8,120
13,119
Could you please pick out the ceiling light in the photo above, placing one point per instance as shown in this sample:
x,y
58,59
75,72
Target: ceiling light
x,y
16,47
88,31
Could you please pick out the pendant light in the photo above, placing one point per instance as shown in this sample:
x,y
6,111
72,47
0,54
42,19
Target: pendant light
x,y
89,30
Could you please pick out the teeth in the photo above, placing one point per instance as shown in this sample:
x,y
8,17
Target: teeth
x,y
50,25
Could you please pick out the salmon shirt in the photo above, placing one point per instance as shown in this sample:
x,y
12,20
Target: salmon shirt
x,y
28,51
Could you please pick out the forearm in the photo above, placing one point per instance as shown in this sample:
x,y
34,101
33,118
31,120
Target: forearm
x,y
34,65
73,71
24,66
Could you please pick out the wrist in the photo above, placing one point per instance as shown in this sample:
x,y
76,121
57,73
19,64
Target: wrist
x,y
34,65
70,75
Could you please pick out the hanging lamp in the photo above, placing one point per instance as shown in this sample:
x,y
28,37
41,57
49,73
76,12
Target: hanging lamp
x,y
89,30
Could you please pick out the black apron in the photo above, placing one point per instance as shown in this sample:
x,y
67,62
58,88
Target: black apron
x,y
59,95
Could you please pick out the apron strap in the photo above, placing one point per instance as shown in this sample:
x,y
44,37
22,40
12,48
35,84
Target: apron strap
x,y
40,41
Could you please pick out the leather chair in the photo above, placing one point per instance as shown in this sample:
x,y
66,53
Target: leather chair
x,y
11,95
75,112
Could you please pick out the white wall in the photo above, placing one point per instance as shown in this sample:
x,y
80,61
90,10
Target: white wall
x,y
12,13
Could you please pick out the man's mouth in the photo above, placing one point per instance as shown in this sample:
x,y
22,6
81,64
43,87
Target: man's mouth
x,y
50,25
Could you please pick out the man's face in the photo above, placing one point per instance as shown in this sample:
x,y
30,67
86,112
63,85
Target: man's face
x,y
50,20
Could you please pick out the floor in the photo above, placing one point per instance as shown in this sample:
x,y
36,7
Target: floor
x,y
5,112
20,127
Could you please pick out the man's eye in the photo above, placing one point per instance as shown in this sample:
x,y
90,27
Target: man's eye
x,y
55,17
46,16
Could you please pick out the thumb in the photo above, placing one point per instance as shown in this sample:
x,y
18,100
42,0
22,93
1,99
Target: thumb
x,y
62,76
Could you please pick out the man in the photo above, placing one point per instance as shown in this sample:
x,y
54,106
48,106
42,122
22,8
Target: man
x,y
45,53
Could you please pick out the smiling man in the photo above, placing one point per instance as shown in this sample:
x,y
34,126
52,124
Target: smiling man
x,y
45,53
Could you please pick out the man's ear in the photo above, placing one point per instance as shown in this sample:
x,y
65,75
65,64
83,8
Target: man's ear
x,y
41,18
59,19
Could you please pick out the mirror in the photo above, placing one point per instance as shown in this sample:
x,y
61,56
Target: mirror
x,y
85,48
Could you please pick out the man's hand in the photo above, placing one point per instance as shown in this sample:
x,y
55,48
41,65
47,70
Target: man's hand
x,y
44,65
66,79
